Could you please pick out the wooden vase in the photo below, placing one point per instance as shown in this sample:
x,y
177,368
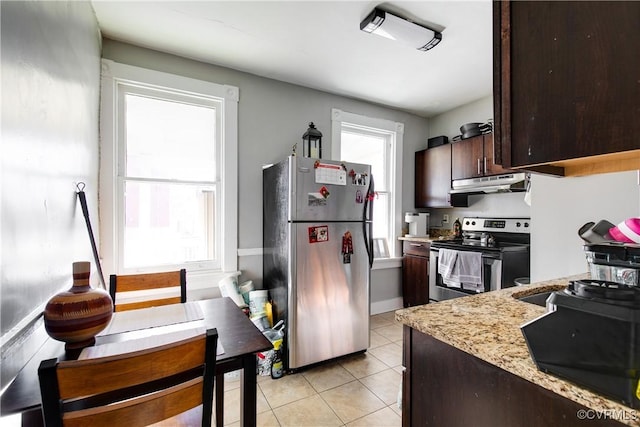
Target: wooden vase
x,y
77,315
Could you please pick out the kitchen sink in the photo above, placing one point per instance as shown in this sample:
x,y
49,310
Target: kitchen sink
x,y
537,299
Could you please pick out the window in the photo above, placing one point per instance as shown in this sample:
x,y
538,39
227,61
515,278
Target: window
x,y
168,177
377,142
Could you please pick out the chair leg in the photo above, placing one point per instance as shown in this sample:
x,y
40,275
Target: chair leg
x,y
32,418
220,400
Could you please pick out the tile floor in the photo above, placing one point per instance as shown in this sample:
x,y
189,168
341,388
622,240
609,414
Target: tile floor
x,y
360,390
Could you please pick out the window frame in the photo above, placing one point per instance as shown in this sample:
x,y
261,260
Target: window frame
x,y
115,76
340,118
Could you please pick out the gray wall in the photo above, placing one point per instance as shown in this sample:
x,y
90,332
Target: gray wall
x,y
272,117
50,59
506,205
449,123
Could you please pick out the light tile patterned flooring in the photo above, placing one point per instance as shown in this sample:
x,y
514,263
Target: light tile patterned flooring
x,y
359,390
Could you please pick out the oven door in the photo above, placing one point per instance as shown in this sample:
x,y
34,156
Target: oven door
x,y
491,278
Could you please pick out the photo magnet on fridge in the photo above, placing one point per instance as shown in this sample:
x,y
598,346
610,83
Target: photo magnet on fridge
x,y
319,234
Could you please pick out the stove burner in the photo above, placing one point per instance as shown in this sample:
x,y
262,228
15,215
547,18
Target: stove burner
x,y
492,236
604,291
488,244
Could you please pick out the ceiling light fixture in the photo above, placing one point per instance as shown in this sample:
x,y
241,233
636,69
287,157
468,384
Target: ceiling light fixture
x,y
393,27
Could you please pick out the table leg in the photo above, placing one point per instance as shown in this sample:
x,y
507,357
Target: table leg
x,y
248,402
220,400
32,418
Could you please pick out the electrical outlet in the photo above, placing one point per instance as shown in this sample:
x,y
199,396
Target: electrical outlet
x,y
445,219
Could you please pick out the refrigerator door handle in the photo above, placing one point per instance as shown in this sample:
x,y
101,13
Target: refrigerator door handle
x,y
367,221
368,241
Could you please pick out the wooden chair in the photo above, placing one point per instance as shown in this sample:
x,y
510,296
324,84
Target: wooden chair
x,y
145,282
131,389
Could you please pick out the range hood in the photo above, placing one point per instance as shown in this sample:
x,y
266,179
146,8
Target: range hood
x,y
491,184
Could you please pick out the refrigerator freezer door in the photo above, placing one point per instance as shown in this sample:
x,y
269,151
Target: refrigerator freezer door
x,y
327,190
328,298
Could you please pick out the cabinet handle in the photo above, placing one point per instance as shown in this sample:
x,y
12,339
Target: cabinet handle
x,y
485,165
479,172
417,245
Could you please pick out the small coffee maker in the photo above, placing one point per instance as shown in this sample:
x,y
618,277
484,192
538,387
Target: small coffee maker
x,y
418,224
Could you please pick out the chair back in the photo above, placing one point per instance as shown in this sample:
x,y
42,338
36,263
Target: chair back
x,y
146,282
131,389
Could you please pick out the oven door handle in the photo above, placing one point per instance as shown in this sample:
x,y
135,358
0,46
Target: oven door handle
x,y
485,255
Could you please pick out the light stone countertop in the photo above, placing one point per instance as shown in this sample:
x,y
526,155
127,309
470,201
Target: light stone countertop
x,y
425,239
488,326
417,239
434,234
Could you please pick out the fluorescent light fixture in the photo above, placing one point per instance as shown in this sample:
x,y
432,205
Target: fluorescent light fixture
x,y
393,27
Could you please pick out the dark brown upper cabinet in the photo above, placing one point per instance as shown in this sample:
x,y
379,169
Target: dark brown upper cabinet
x,y
433,179
474,157
466,158
567,85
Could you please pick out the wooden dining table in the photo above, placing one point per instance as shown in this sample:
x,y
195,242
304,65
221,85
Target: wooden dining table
x,y
239,338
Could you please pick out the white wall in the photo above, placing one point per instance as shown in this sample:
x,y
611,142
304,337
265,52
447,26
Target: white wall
x,y
560,206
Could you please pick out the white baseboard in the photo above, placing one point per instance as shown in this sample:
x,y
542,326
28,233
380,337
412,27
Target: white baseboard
x,y
386,305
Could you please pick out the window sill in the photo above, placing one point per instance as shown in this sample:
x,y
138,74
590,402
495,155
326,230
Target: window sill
x,y
386,263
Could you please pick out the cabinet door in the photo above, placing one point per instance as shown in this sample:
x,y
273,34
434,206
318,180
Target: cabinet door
x,y
449,387
490,167
433,177
467,158
568,82
415,280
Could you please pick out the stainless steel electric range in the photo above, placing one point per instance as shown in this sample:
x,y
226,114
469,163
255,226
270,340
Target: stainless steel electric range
x,y
491,254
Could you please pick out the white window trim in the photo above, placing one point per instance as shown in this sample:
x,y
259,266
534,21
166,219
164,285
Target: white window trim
x,y
112,73
338,117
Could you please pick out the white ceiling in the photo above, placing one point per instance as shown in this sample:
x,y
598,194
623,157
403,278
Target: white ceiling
x,y
319,44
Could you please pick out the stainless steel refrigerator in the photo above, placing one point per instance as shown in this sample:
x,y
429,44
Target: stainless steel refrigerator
x,y
317,255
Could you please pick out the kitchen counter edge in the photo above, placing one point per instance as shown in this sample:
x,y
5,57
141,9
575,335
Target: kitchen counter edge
x,y
487,326
421,239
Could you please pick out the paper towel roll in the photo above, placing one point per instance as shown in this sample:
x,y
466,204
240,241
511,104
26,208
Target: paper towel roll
x,y
229,288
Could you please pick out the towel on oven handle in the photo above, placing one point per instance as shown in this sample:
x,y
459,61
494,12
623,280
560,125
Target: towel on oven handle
x,y
460,268
468,267
446,262
475,287
452,283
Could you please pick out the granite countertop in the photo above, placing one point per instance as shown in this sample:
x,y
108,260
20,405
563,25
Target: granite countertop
x,y
425,239
434,234
488,326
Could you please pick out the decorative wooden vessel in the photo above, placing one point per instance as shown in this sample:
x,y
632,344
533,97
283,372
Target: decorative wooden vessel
x,y
77,315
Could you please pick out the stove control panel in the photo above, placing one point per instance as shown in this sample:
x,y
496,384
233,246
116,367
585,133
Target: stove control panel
x,y
505,225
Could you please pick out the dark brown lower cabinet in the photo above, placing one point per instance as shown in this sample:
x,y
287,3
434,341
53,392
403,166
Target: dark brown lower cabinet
x,y
446,387
415,273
